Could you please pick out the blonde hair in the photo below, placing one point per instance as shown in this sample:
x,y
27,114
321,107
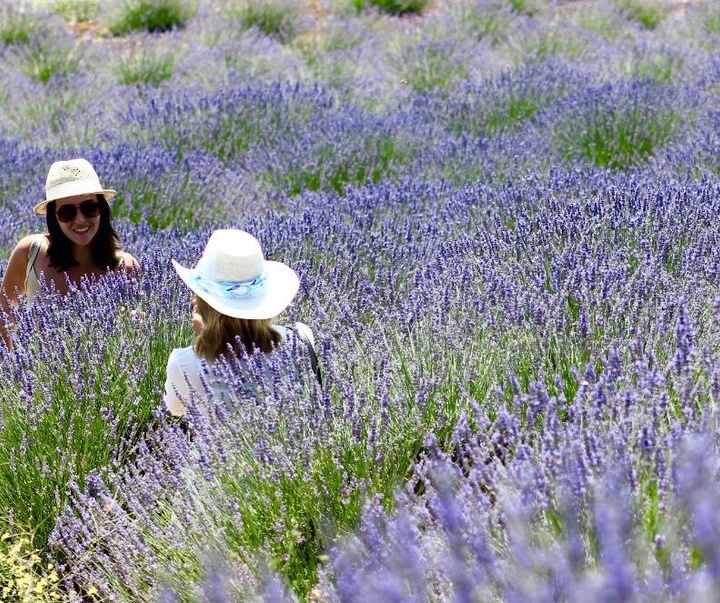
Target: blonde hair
x,y
221,333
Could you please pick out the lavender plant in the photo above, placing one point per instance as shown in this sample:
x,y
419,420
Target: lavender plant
x,y
505,104
511,273
619,137
395,7
711,22
649,15
16,25
605,21
431,64
484,19
150,15
650,64
537,43
76,11
145,65
277,19
43,61
74,410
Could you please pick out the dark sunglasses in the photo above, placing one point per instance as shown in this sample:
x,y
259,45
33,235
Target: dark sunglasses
x,y
89,209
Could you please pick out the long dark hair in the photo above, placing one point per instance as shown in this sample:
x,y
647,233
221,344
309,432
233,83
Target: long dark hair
x,y
104,247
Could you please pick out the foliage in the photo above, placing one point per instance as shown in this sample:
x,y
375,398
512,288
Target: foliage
x,y
151,16
648,14
44,62
431,65
504,220
145,65
395,7
620,136
279,19
16,26
660,67
711,22
75,416
21,576
76,11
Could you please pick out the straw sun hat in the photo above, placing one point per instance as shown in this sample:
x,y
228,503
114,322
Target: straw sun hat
x,y
71,178
235,279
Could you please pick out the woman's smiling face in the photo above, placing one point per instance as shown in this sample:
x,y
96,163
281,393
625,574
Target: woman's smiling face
x,y
81,230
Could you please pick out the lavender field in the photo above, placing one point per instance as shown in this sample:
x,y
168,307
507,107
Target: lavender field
x,y
505,215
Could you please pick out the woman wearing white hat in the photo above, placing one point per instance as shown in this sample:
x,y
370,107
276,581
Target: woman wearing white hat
x,y
237,295
80,242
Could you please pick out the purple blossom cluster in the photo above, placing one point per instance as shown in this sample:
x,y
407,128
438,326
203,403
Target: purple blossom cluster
x,y
476,524
533,356
511,272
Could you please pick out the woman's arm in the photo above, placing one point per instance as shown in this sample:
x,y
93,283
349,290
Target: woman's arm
x,y
13,286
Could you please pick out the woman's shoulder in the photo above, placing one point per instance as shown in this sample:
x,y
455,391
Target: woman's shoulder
x,y
305,332
27,242
184,358
300,329
17,267
183,354
21,252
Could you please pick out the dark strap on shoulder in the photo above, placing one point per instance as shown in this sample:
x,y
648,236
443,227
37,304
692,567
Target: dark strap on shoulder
x,y
313,355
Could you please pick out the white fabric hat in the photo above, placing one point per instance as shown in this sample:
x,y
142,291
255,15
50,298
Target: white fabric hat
x,y
71,178
234,278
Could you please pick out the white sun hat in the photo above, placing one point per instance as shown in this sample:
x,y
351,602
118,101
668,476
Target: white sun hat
x,y
235,279
71,178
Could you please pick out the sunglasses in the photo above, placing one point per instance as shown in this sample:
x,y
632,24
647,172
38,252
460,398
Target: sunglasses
x,y
89,209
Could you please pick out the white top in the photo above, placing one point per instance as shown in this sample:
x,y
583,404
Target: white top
x,y
32,282
32,285
188,374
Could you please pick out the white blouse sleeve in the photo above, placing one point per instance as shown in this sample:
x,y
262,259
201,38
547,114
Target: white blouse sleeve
x,y
176,387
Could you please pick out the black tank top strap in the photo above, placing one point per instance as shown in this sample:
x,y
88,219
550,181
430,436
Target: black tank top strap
x,y
311,351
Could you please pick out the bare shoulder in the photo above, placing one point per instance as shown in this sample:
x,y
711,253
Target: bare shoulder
x,y
23,246
21,252
128,262
14,276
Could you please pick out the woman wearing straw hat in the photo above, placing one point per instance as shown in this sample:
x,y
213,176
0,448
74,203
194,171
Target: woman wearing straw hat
x,y
80,242
237,295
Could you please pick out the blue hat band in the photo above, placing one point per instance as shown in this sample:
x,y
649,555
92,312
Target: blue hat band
x,y
232,289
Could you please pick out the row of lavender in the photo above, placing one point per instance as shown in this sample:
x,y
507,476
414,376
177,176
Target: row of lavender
x,y
615,99
519,346
506,365
235,147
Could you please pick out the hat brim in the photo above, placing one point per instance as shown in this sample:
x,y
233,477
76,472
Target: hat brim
x,y
282,286
41,207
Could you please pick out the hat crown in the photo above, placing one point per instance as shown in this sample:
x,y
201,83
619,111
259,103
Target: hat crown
x,y
74,170
69,179
234,278
231,255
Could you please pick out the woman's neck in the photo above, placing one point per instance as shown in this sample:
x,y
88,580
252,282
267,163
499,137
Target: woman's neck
x,y
83,255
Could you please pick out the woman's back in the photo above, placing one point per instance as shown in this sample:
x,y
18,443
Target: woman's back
x,y
238,350
194,380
